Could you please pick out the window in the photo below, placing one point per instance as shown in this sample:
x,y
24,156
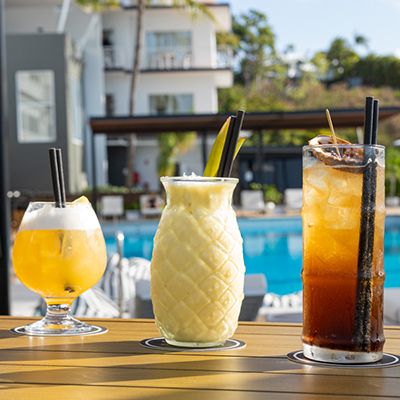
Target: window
x,y
109,49
108,37
169,50
171,104
76,101
35,106
110,104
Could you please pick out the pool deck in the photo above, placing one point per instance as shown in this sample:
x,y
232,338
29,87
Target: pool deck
x,y
393,211
282,212
278,213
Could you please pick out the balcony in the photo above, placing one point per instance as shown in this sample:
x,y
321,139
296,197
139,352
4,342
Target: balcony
x,y
114,57
174,58
224,57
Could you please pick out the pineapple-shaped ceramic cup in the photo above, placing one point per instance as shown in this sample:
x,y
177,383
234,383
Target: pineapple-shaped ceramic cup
x,y
197,269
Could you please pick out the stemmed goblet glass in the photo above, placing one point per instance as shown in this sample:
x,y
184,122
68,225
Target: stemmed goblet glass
x,y
59,253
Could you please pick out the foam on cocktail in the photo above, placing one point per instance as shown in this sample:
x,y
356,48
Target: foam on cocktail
x,y
78,216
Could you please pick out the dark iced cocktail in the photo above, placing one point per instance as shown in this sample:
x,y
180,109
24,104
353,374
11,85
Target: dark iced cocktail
x,y
343,228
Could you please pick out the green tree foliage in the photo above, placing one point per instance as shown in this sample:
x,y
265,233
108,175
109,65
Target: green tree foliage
x,y
263,84
98,5
361,41
392,183
321,63
255,46
171,145
379,71
342,58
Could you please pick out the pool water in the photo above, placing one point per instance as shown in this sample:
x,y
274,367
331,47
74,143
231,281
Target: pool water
x,y
271,246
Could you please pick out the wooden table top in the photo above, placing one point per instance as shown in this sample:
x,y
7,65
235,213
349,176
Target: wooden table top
x,y
115,366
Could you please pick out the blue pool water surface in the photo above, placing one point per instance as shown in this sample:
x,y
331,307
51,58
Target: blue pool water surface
x,y
271,246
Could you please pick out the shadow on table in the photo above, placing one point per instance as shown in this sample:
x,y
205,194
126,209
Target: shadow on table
x,y
36,349
138,374
5,334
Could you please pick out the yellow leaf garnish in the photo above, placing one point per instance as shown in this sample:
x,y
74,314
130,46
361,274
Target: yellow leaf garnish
x,y
80,200
216,152
239,143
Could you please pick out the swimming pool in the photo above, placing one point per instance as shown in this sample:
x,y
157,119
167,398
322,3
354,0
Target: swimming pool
x,y
271,246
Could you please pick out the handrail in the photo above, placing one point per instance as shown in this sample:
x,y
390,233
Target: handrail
x,y
120,239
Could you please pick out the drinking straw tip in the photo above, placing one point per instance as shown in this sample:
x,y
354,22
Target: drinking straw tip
x,y
368,119
226,149
57,175
375,121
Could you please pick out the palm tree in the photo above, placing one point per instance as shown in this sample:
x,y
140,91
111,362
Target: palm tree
x,y
134,75
361,40
194,7
98,5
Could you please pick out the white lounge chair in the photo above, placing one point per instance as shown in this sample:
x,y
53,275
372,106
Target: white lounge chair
x,y
112,206
255,287
252,200
285,308
119,281
94,303
151,205
391,307
293,198
143,304
392,201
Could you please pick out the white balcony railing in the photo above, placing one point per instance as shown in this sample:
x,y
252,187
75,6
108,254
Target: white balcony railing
x,y
224,57
114,57
174,58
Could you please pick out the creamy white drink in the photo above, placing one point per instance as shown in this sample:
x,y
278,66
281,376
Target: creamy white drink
x,y
197,269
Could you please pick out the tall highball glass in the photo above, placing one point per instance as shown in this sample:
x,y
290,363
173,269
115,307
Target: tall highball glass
x,y
343,229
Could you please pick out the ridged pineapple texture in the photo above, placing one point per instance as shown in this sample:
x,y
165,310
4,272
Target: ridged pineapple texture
x,y
197,269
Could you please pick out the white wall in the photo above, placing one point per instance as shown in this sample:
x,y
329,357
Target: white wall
x,y
146,163
192,160
34,18
146,159
203,29
118,84
86,31
122,23
201,84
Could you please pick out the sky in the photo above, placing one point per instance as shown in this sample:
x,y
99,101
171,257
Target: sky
x,y
310,25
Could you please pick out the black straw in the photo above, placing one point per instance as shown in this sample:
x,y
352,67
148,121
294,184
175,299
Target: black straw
x,y
61,177
375,121
224,155
233,142
367,229
368,117
228,152
57,177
